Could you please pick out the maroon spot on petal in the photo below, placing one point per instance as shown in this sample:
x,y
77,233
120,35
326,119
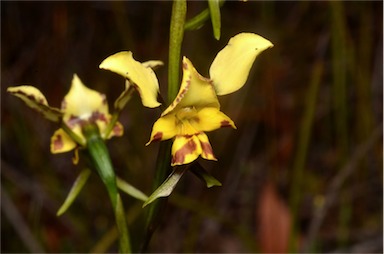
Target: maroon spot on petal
x,y
117,130
225,123
158,136
207,149
58,143
73,121
188,148
96,115
185,65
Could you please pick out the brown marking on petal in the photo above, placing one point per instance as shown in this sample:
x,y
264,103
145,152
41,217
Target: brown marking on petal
x,y
58,143
225,123
188,148
185,65
73,121
96,115
158,136
117,130
207,149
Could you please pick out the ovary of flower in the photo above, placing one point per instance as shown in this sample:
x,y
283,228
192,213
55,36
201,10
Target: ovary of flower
x,y
194,111
79,107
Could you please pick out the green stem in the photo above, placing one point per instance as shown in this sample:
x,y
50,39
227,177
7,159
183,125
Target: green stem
x,y
101,160
163,169
73,135
301,153
179,10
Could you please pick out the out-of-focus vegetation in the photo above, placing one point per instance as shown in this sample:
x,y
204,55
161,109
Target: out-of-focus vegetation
x,y
306,156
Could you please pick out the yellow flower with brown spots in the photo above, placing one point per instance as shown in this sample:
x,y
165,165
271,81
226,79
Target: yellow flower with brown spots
x,y
196,109
79,107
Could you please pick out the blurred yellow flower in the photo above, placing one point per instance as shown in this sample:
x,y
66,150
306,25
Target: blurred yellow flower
x,y
79,107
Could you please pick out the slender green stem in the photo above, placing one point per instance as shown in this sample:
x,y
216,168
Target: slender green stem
x,y
179,10
163,169
301,153
101,160
73,135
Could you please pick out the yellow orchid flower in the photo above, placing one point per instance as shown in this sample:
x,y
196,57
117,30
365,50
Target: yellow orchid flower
x,y
79,107
194,111
138,75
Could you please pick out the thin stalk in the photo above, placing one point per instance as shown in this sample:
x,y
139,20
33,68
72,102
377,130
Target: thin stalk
x,y
163,164
301,153
101,161
340,105
179,10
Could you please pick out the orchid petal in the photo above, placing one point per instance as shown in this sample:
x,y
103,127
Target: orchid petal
x,y
81,105
185,149
206,148
209,119
61,142
164,128
141,76
36,100
230,69
195,90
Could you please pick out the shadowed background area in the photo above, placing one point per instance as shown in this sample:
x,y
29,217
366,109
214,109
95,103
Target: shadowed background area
x,y
305,160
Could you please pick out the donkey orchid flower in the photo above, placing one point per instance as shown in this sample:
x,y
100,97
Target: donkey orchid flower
x,y
196,108
138,75
194,111
81,106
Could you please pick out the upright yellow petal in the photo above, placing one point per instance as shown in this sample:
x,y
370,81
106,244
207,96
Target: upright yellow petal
x,y
61,142
229,70
141,76
36,100
195,90
209,119
82,104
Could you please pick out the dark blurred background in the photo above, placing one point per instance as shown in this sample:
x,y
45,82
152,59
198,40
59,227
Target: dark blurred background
x,y
306,156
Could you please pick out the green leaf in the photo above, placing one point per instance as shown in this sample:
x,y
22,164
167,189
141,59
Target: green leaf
x,y
100,159
121,223
204,176
166,188
75,190
130,190
214,9
198,21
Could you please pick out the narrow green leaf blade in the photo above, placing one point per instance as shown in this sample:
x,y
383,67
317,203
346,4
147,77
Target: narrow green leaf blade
x,y
204,176
75,190
130,190
166,188
121,223
214,9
